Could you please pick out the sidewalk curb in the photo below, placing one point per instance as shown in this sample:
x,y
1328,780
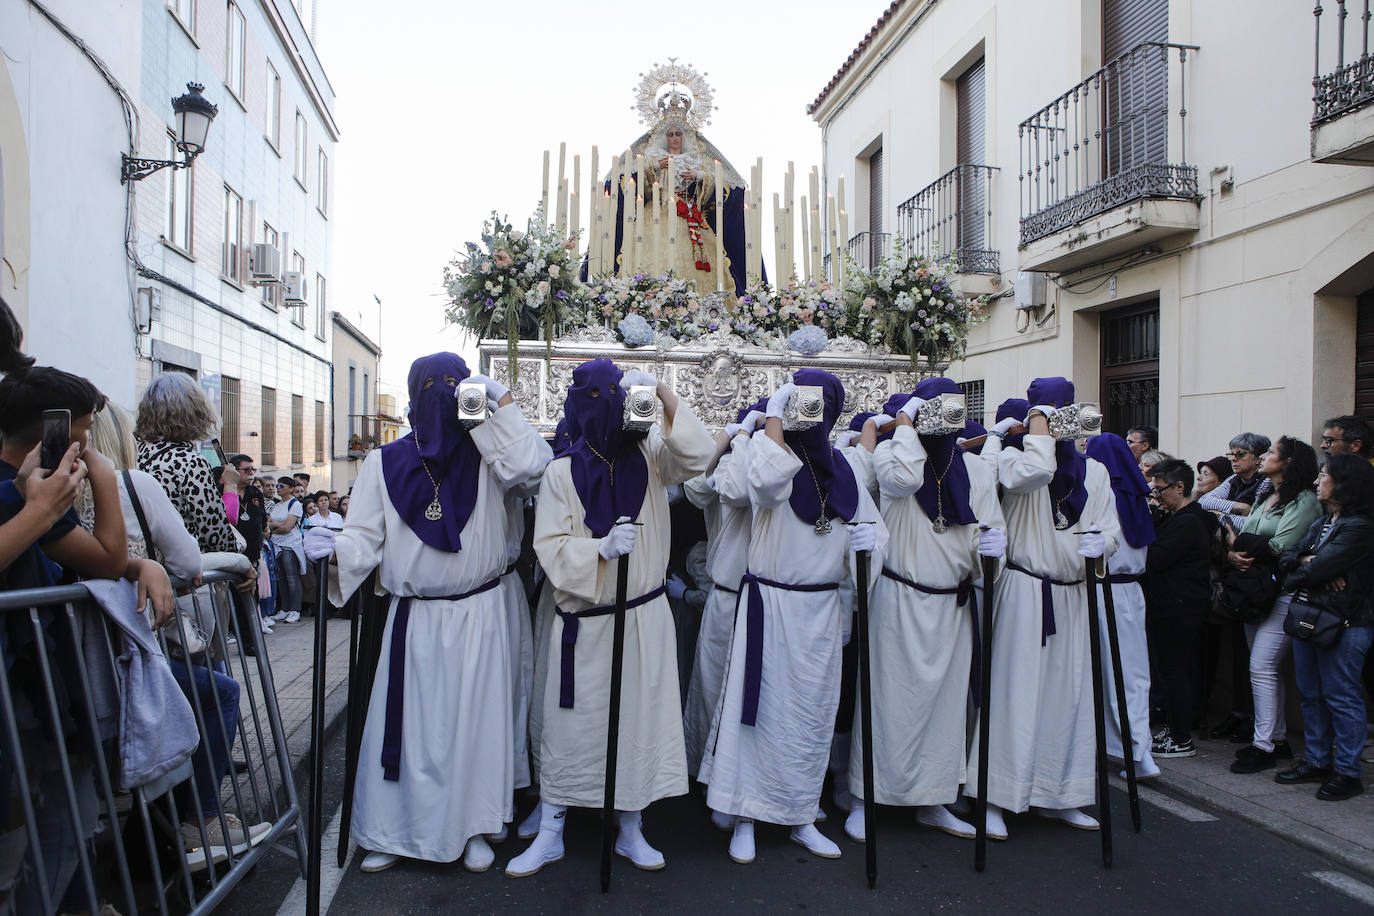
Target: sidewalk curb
x,y
1340,851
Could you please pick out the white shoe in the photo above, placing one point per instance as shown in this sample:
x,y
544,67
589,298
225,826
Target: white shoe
x,y
547,846
815,842
937,818
477,856
500,835
529,827
278,617
722,821
266,626
292,617
855,825
1071,816
996,824
631,844
742,842
379,861
1147,768
821,816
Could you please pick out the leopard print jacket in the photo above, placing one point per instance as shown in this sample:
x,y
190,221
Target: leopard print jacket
x,y
189,481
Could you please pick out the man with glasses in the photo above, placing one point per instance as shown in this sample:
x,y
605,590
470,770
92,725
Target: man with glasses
x,y
252,517
1177,594
1141,439
1345,435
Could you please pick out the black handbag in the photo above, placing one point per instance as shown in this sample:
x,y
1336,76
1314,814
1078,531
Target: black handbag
x,y
1313,624
1249,596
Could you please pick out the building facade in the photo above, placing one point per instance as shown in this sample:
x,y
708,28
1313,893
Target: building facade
x,y
356,429
63,268
1138,184
261,350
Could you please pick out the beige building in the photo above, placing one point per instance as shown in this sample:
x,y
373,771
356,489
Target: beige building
x,y
356,428
1145,187
388,419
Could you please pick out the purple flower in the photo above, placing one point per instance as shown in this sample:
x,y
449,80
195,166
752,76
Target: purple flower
x,y
490,303
561,294
713,326
638,277
747,300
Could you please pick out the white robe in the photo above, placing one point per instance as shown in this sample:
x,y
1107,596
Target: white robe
x,y
1042,740
456,769
723,497
773,771
518,618
543,629
1135,653
651,762
922,644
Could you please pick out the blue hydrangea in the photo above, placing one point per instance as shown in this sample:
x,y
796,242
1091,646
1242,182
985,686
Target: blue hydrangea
x,y
635,331
807,340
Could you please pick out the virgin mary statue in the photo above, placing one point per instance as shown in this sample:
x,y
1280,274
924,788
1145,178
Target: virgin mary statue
x,y
674,157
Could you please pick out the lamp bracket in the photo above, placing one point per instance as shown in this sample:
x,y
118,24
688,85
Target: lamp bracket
x,y
133,169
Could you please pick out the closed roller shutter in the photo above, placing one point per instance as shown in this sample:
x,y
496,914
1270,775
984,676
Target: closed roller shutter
x,y
1364,356
875,207
1136,88
970,93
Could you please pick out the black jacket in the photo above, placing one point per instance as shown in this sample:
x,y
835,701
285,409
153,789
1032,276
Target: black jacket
x,y
1346,553
1177,578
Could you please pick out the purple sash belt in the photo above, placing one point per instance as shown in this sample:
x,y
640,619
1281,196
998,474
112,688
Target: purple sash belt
x,y
753,639
1047,628
395,683
570,627
967,595
1123,578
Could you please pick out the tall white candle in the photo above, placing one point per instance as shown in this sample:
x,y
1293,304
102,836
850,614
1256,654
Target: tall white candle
x,y
561,214
844,234
718,267
574,218
636,203
674,225
622,198
807,273
545,199
833,213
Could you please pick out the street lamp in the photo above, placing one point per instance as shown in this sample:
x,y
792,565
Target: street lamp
x,y
194,114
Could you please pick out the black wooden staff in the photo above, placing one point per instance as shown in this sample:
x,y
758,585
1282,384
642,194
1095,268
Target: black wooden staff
x,y
980,804
316,826
622,575
1104,802
1123,714
369,623
866,719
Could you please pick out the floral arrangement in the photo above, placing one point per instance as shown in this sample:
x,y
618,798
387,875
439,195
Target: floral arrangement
x,y
667,302
909,304
514,284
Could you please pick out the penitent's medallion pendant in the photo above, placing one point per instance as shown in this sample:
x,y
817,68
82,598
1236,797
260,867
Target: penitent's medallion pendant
x,y
939,526
434,511
823,526
1061,521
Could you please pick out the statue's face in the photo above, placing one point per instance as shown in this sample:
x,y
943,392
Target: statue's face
x,y
674,137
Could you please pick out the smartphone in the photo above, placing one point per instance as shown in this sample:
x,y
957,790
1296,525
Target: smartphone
x,y
57,437
213,454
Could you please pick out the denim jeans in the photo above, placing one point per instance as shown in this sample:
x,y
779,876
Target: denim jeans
x,y
1268,645
215,691
1332,702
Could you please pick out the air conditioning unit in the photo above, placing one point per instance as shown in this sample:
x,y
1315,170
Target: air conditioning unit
x,y
294,281
1031,291
265,264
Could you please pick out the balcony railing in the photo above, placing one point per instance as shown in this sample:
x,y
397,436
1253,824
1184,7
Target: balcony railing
x,y
366,435
868,249
1350,86
1106,142
952,218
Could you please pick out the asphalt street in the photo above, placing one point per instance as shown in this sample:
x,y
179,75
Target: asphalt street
x,y
1186,859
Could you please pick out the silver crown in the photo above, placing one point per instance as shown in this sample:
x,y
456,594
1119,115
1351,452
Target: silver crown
x,y
1075,421
472,403
641,407
941,415
805,408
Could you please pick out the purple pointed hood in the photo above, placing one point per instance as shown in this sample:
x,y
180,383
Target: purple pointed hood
x,y
823,466
1068,490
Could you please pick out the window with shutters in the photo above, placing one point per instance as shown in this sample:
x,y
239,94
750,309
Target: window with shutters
x,y
971,189
973,400
234,57
1364,355
269,427
297,429
319,432
231,268
875,206
1136,96
229,414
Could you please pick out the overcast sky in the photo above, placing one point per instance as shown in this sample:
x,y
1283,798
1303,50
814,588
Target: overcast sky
x,y
446,109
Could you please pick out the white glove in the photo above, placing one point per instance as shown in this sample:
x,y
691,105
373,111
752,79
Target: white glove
x,y
846,439
752,421
912,407
732,430
619,541
1092,544
675,587
863,537
777,403
992,542
495,390
1047,409
638,377
1004,426
879,420
319,543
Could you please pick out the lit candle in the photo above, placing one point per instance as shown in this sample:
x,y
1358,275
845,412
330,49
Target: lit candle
x,y
544,213
718,268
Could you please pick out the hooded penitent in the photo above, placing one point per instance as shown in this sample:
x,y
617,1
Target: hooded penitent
x,y
1128,484
1012,409
438,451
972,430
825,485
608,467
1068,493
944,495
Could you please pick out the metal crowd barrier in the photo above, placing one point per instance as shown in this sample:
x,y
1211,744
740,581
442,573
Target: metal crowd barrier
x,y
66,812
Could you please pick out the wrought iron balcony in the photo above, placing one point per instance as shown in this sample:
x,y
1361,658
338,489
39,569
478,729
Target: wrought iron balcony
x,y
1107,142
952,218
1342,86
868,249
